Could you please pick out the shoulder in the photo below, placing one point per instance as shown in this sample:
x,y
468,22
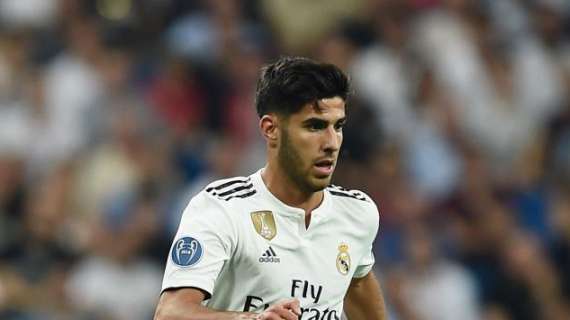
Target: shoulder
x,y
216,204
355,201
350,195
221,193
224,190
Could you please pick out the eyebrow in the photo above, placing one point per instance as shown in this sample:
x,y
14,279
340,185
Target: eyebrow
x,y
313,119
320,120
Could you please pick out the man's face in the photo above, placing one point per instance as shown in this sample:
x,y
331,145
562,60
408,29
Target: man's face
x,y
310,143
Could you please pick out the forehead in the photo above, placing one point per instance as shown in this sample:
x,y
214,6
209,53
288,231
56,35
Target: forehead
x,y
329,108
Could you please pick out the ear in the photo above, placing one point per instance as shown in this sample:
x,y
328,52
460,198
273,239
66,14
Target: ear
x,y
269,125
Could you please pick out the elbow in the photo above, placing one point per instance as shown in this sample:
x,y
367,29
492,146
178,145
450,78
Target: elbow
x,y
159,314
162,313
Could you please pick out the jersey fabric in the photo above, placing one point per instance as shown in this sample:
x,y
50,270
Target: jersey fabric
x,y
248,250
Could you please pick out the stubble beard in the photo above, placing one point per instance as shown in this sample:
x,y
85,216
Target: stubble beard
x,y
290,160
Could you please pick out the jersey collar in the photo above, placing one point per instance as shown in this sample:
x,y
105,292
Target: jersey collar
x,y
284,208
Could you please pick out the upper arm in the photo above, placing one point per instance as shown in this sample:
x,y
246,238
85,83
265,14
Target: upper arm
x,y
365,281
357,289
364,299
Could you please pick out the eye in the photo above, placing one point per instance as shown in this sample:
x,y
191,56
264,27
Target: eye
x,y
316,125
339,125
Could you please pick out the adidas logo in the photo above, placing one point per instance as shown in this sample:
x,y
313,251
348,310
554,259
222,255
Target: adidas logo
x,y
269,256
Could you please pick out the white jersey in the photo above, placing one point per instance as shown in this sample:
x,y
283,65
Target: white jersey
x,y
248,250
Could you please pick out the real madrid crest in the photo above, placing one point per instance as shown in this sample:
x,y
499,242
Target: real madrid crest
x,y
343,259
264,224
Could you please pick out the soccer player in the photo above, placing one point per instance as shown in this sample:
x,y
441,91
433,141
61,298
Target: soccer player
x,y
281,243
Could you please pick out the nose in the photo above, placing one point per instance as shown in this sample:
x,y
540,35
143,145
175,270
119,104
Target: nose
x,y
332,140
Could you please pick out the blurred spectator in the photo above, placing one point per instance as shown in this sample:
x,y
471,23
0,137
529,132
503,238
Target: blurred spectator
x,y
301,24
530,289
382,73
112,167
426,273
560,221
13,193
15,14
72,86
178,99
115,280
39,258
506,94
431,154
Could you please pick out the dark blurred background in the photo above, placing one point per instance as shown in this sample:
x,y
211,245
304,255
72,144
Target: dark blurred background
x,y
113,113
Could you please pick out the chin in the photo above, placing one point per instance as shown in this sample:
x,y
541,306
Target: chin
x,y
318,184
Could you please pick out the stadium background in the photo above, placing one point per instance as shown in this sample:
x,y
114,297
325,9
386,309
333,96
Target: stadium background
x,y
114,112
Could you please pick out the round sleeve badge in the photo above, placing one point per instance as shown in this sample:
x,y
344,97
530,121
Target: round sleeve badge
x,y
186,252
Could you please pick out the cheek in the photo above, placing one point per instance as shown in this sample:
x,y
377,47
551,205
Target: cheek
x,y
301,151
307,146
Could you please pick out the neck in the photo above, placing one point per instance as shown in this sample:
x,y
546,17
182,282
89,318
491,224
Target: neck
x,y
284,189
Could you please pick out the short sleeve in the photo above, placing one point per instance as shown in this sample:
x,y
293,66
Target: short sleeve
x,y
205,240
366,263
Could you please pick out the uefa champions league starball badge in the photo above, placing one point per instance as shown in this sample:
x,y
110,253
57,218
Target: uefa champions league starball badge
x,y
343,259
186,252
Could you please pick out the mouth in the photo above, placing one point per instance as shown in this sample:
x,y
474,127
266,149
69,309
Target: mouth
x,y
324,167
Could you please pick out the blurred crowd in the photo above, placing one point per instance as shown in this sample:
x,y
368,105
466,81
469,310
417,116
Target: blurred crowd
x,y
113,113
